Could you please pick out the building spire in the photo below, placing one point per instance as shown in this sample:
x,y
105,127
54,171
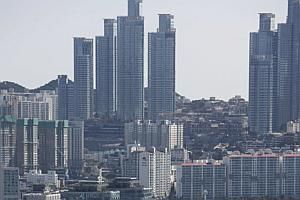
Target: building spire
x,y
134,8
166,23
266,22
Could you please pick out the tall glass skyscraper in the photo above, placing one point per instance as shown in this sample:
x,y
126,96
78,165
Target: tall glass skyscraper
x,y
161,75
263,50
274,90
66,99
62,91
130,67
83,77
106,77
289,66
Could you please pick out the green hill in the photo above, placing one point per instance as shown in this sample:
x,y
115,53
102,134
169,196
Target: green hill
x,y
52,85
7,85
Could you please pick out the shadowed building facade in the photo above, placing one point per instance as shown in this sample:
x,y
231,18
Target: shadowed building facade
x,y
262,74
83,77
161,75
130,68
106,71
288,88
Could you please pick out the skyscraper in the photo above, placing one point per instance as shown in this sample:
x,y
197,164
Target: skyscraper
x,y
7,140
76,147
83,77
62,91
130,68
66,99
288,66
263,54
161,75
27,145
106,63
53,145
71,101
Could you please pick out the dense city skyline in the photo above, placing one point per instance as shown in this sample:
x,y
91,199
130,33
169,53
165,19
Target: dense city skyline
x,y
53,21
99,133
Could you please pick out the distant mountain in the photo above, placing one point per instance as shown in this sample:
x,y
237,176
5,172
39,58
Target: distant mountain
x,y
52,85
7,85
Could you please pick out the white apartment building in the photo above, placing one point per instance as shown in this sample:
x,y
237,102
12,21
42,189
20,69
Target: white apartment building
x,y
293,126
151,167
155,171
162,134
43,105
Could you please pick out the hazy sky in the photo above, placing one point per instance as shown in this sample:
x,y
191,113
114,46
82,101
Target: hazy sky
x,y
212,38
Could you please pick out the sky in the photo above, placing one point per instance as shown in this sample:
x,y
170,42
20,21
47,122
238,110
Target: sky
x,y
36,39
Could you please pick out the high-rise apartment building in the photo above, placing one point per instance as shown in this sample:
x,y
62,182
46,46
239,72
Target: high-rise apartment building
x,y
161,75
7,140
66,98
9,184
27,145
151,167
42,105
290,175
130,64
262,75
53,145
288,66
202,180
253,175
62,92
83,77
8,103
155,171
76,147
71,101
106,70
161,134
274,89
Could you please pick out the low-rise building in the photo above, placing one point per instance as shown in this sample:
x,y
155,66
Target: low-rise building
x,y
42,196
35,177
9,183
92,195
